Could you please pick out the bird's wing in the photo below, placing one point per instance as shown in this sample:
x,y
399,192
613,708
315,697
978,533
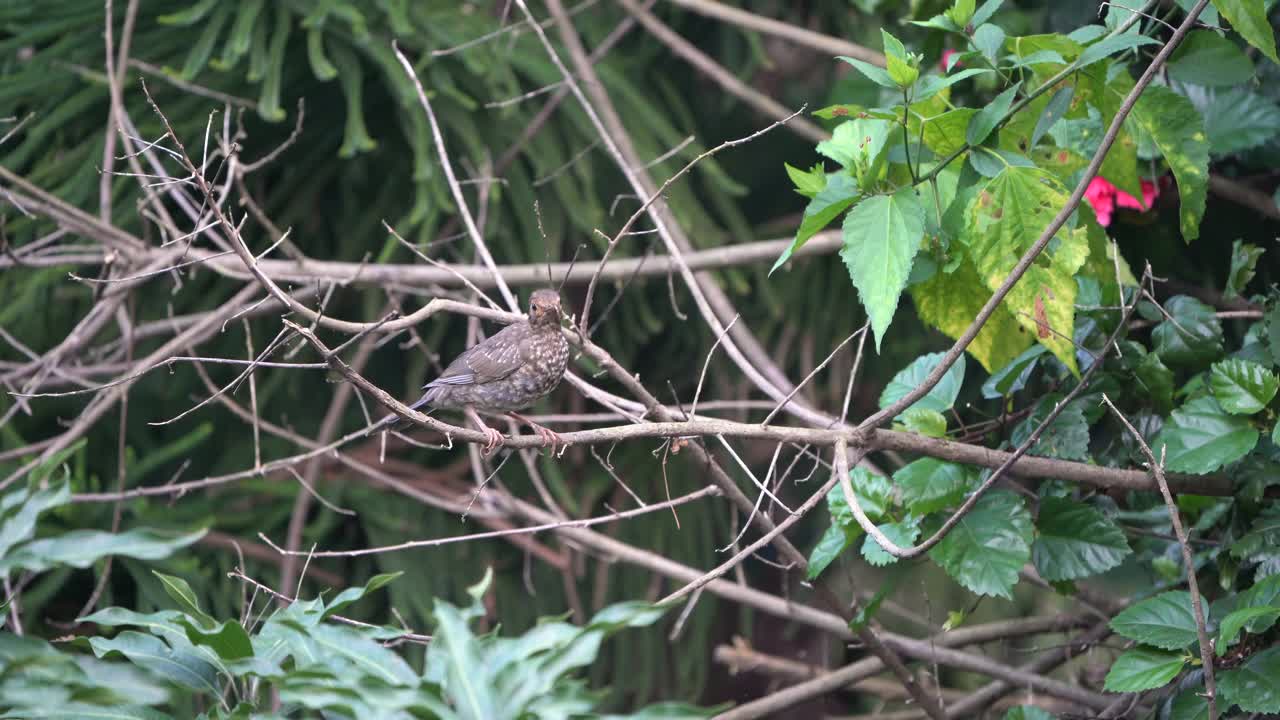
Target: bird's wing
x,y
491,360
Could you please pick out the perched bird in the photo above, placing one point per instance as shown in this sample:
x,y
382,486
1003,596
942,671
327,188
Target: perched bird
x,y
509,371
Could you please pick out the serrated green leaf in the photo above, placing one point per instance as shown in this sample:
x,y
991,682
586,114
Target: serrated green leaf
x,y
1177,129
1235,119
832,545
903,534
1155,382
924,421
1006,219
1200,438
808,182
1244,259
1249,18
944,134
1206,58
1143,669
1190,705
1012,377
940,398
928,485
1193,335
1067,437
882,235
1075,541
857,144
1242,387
1264,533
1255,686
987,548
840,192
985,120
1165,621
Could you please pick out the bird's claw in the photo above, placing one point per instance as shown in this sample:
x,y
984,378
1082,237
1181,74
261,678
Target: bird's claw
x,y
493,439
550,438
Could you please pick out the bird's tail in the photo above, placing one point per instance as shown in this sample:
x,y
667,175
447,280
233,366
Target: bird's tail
x,y
395,421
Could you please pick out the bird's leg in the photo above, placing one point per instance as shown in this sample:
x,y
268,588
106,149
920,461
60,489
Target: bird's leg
x,y
493,438
549,437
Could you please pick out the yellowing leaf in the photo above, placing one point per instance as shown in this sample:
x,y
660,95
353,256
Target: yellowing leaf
x,y
1178,130
1005,220
950,301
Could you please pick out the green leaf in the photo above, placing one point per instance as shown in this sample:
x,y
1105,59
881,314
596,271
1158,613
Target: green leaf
x,y
990,115
1206,58
1006,219
1108,46
1192,337
924,421
353,594
873,492
881,237
808,183
82,548
1177,129
1244,258
1012,377
21,508
1143,669
950,302
961,12
1190,705
940,398
1155,382
875,74
903,534
1052,113
1263,534
987,548
832,545
857,144
1165,621
932,85
1200,438
181,592
1067,437
835,198
1242,387
229,639
1235,119
148,652
1264,616
1075,541
1255,686
989,39
928,484
1249,18
944,134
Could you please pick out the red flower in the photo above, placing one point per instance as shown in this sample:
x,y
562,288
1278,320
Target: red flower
x,y
1104,198
946,55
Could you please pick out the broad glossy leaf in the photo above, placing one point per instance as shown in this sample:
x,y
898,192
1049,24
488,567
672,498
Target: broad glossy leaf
x,y
147,651
1242,387
903,534
353,594
986,118
229,639
928,484
882,235
940,398
1178,131
1264,616
1255,686
1190,705
1007,218
1249,18
1235,119
830,546
82,548
1201,438
950,302
181,592
986,549
1067,437
1192,338
1206,58
1143,669
1012,377
1165,621
21,508
1075,541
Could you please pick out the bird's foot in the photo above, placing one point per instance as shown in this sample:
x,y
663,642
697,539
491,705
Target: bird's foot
x,y
493,439
550,438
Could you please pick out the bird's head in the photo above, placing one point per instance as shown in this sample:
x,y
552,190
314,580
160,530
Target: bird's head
x,y
544,307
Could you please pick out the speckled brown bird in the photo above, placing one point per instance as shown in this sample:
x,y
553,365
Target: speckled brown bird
x,y
509,371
